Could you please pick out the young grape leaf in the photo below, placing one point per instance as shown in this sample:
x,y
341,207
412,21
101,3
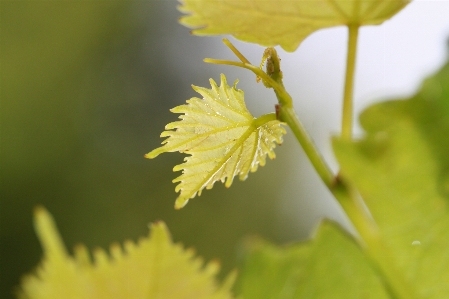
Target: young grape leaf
x,y
331,265
401,168
282,22
154,268
222,138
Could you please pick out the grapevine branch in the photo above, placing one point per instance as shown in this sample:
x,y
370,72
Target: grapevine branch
x,y
369,237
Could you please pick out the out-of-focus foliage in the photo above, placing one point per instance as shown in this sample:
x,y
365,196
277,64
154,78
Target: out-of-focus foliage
x,y
85,86
153,268
282,22
401,170
329,266
222,138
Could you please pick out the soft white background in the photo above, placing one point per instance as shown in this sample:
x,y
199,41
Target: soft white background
x,y
392,60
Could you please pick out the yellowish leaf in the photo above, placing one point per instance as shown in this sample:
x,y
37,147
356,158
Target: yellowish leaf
x,y
155,268
282,22
222,138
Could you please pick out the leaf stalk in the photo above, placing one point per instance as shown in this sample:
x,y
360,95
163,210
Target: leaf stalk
x,y
286,112
369,237
288,115
347,115
371,242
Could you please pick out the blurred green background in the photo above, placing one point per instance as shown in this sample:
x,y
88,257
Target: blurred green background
x,y
85,91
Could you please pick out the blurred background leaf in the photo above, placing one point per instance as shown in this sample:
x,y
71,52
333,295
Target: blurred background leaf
x,y
86,88
85,92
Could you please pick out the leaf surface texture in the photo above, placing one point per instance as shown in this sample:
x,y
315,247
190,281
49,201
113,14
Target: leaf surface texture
x,y
282,22
222,138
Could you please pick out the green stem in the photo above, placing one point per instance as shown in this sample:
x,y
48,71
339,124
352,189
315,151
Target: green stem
x,y
347,117
275,85
235,51
369,239
288,115
371,242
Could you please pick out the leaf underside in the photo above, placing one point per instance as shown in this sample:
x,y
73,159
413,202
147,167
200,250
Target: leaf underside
x,y
222,138
155,268
401,169
282,22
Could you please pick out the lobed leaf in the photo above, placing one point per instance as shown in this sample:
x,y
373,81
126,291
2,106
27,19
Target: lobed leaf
x,y
329,266
282,22
222,138
401,168
155,268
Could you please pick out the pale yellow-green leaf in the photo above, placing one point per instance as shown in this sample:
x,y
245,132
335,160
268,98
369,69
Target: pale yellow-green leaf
x,y
401,168
155,268
222,138
282,22
328,266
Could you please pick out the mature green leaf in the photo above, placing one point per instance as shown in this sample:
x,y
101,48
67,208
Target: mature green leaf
x,y
154,268
329,266
282,22
222,138
401,168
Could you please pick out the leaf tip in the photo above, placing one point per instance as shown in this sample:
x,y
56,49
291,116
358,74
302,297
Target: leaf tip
x,y
229,280
181,203
40,212
48,234
159,229
229,181
154,153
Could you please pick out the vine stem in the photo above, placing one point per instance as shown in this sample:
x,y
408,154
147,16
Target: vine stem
x,y
347,115
369,237
288,115
372,243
